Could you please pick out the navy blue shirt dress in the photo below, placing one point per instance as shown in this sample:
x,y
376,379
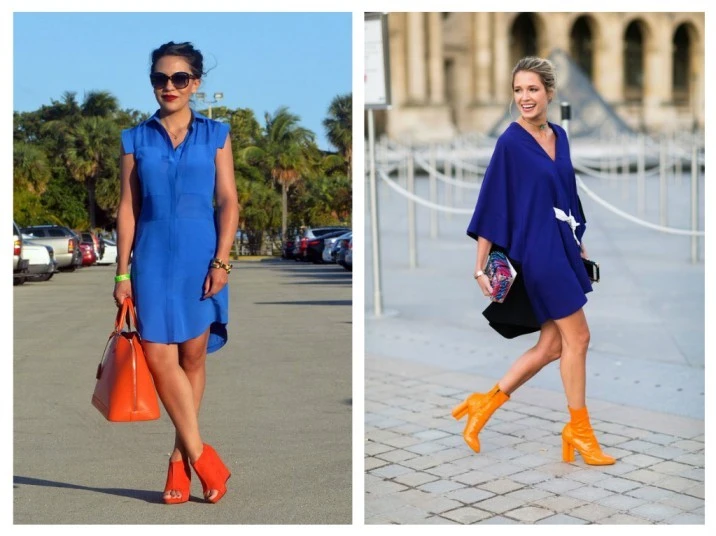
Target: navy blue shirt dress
x,y
176,233
528,206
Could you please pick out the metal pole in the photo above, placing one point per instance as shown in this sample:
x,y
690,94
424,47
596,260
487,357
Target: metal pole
x,y
448,187
694,204
678,169
377,297
412,246
433,193
640,176
625,166
566,113
663,201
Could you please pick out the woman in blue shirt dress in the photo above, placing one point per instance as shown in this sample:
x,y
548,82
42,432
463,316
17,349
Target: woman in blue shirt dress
x,y
177,217
528,207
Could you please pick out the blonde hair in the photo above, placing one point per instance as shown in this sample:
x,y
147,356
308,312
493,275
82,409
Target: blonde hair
x,y
541,67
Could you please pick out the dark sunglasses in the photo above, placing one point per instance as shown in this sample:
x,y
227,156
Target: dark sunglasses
x,y
179,80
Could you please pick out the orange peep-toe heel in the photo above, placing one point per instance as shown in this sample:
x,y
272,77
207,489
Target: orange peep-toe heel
x,y
212,473
178,478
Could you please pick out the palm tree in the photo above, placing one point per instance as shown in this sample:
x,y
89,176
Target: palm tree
x,y
339,127
287,150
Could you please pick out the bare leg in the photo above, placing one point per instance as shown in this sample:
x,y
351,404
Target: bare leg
x,y
573,365
547,349
176,395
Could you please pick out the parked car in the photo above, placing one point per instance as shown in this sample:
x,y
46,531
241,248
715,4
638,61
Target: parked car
x,y
19,263
348,264
110,252
64,242
90,237
88,254
41,259
315,246
340,250
338,244
287,249
314,235
329,245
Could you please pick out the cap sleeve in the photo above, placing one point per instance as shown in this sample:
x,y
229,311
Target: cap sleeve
x,y
128,141
221,130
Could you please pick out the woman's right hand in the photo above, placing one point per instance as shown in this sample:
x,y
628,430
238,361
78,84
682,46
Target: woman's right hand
x,y
484,282
122,290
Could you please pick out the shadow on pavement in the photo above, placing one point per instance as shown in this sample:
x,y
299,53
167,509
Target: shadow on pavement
x,y
346,281
152,496
308,302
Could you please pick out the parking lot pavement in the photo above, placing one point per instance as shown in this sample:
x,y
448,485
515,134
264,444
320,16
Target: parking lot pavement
x,y
432,347
277,406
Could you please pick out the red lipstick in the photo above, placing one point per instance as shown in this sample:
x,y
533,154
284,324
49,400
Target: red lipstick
x,y
169,98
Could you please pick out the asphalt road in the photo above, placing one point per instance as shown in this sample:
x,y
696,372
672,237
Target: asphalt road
x,y
277,406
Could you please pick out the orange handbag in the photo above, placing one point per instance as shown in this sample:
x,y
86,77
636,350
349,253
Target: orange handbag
x,y
125,390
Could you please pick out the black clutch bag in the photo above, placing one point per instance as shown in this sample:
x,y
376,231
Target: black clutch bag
x,y
592,270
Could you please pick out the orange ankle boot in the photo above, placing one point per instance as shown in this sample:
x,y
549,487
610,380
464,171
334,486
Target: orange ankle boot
x,y
479,407
578,434
212,473
178,478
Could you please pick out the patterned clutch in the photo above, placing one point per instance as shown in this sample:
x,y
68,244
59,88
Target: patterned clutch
x,y
501,274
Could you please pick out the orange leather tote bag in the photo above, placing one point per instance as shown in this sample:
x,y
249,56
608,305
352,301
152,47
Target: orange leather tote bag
x,y
125,390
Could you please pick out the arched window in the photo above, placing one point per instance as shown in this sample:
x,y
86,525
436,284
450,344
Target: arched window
x,y
581,45
523,38
681,51
633,63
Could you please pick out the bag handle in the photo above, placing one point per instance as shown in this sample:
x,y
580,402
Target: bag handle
x,y
125,313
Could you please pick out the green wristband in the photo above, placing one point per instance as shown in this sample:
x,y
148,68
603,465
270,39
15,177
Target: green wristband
x,y
121,277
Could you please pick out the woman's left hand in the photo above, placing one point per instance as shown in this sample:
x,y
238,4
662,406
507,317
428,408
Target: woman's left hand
x,y
584,253
215,280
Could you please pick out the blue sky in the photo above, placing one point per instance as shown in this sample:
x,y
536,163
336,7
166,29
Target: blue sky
x,y
257,60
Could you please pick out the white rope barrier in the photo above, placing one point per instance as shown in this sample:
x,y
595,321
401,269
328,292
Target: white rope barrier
x,y
430,169
631,218
405,193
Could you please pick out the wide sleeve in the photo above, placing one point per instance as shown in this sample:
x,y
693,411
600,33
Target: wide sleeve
x,y
128,141
492,216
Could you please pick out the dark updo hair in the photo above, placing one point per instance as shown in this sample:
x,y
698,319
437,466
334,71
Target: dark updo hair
x,y
186,51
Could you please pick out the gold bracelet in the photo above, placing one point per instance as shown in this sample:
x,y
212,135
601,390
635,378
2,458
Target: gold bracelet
x,y
217,263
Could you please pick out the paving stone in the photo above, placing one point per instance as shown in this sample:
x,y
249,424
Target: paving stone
x,y
587,476
691,458
378,505
391,471
506,453
683,502
449,455
451,441
501,486
641,460
661,439
655,512
529,494
397,455
562,519
407,515
529,514
425,448
502,469
530,477
624,519
688,445
666,453
469,495
608,440
446,470
534,433
592,512
401,442
651,493
508,428
441,486
534,447
436,504
646,476
529,460
372,448
473,478
616,484
559,503
386,422
589,493
622,503
471,463
685,519
558,468
438,520
671,468
675,483
506,440
420,463
383,487
498,520
415,479
467,515
374,463
619,468
694,474
429,435
499,504
558,485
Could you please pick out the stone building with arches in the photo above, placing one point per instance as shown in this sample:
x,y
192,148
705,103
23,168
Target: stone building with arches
x,y
450,72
